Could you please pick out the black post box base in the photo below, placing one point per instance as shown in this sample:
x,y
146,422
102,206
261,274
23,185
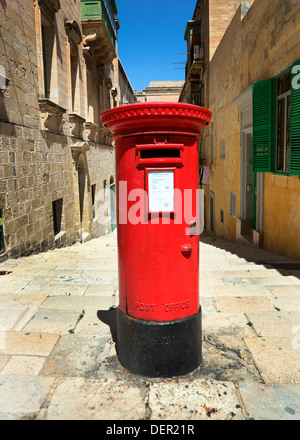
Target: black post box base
x,y
159,349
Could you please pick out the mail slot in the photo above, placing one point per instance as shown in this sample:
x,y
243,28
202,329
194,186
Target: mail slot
x,y
157,174
154,153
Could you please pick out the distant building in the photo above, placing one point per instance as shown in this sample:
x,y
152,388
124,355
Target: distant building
x,y
161,91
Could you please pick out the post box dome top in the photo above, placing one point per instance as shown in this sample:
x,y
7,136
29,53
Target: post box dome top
x,y
151,117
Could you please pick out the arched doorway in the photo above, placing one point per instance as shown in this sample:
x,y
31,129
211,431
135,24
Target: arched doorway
x,y
83,211
81,172
82,192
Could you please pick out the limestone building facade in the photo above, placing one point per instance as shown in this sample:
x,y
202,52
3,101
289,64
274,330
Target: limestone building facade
x,y
250,80
126,92
57,76
161,91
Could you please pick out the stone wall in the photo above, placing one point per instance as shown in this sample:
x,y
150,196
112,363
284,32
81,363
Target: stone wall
x,y
220,16
48,143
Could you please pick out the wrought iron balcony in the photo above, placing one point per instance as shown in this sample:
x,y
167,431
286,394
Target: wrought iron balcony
x,y
195,49
195,59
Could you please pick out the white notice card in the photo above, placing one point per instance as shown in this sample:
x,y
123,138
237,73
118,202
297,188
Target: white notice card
x,y
161,191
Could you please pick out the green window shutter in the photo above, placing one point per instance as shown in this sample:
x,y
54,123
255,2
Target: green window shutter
x,y
262,125
295,120
91,10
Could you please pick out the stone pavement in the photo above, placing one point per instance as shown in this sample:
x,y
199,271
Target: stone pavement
x,y
58,330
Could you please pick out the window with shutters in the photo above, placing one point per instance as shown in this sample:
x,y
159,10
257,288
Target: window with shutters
x,y
276,123
48,40
282,158
46,33
57,207
74,39
94,200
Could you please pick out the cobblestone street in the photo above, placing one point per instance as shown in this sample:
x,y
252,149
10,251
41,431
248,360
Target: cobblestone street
x,y
58,322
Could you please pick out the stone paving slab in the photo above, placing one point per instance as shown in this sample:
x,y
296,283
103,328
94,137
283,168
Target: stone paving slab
x,y
94,323
194,400
295,280
208,282
287,303
24,365
4,358
264,272
227,332
11,287
276,323
24,318
26,343
11,315
54,289
242,281
233,290
26,300
236,265
226,323
101,289
52,321
276,359
77,355
80,302
271,402
21,397
284,290
229,273
88,399
271,281
242,304
90,278
207,305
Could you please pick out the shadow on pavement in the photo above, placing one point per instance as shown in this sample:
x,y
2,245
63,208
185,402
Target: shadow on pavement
x,y
284,265
109,317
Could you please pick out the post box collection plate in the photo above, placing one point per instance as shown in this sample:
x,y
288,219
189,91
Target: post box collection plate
x,y
161,191
157,178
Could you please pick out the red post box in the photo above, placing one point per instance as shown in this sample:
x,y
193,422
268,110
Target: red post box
x,y
157,176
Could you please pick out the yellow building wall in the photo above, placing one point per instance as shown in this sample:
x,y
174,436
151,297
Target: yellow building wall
x,y
225,173
258,47
282,215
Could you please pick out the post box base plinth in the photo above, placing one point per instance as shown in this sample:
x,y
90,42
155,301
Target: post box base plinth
x,y
159,349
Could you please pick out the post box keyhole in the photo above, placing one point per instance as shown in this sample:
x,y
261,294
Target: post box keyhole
x,y
186,250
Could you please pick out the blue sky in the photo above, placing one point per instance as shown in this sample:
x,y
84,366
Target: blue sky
x,y
150,38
